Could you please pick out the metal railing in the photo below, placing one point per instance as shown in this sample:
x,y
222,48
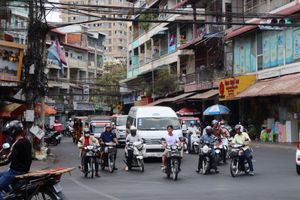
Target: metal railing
x,y
198,77
261,6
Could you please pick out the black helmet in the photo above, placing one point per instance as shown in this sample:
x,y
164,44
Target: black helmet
x,y
208,130
13,128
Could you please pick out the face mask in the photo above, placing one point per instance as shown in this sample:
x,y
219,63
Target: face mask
x,y
86,135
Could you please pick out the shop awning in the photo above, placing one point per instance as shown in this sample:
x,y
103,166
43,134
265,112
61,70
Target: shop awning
x,y
240,31
48,109
171,99
285,85
12,110
204,95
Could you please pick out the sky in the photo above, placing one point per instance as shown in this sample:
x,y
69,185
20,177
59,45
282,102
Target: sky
x,y
53,16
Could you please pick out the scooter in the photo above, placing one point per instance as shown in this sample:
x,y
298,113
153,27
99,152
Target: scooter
x,y
52,137
138,151
173,160
108,159
92,155
236,165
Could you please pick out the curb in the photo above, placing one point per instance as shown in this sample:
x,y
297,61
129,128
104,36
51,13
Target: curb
x,y
275,145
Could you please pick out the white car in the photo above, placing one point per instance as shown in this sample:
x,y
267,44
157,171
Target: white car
x,y
298,158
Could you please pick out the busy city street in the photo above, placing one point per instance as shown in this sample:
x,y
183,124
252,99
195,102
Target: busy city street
x,y
275,178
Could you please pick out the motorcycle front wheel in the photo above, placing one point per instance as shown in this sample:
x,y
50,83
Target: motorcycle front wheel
x,y
234,167
110,163
92,167
141,165
205,166
175,170
43,195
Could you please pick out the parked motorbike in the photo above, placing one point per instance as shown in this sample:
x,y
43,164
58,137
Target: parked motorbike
x,y
52,137
92,155
173,160
41,186
206,153
108,159
138,151
237,166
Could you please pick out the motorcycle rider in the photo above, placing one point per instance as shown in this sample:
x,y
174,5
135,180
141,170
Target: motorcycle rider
x,y
215,127
20,156
106,137
194,134
170,139
85,140
131,138
57,126
208,137
243,138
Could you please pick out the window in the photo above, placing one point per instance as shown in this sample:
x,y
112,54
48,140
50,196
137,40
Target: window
x,y
109,41
109,33
109,49
259,51
158,123
66,54
74,18
79,57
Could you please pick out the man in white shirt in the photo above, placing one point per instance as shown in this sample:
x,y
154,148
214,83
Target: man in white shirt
x,y
131,138
169,139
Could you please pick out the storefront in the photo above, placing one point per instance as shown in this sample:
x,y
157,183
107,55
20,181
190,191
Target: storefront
x,y
275,104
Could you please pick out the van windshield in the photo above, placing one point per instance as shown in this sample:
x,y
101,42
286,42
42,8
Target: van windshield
x,y
121,121
97,129
159,123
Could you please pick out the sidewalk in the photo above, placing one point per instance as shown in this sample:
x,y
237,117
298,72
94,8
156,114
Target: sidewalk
x,y
43,164
275,145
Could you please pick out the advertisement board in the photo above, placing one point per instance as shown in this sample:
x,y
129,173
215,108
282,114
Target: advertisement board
x,y
229,88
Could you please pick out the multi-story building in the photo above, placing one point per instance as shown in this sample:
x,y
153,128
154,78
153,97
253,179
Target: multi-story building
x,y
15,22
84,59
266,74
116,32
192,51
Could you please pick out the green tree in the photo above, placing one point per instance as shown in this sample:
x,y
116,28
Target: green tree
x,y
164,83
108,82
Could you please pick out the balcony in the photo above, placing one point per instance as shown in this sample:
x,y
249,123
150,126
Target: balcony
x,y
77,64
260,6
199,81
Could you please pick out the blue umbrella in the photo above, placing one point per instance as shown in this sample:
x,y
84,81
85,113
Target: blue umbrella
x,y
216,110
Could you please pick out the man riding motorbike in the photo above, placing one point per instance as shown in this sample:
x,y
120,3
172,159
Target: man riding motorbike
x,y
106,137
194,134
243,138
20,156
85,140
170,139
210,138
215,127
131,138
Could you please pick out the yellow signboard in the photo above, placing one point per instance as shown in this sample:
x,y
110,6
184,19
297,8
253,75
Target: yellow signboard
x,y
230,87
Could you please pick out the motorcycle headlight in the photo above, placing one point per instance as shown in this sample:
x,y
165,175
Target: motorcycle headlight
x,y
174,147
205,149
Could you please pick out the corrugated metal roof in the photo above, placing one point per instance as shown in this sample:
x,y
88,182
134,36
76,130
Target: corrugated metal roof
x,y
285,85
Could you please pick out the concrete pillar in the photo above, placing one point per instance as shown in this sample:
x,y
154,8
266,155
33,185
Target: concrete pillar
x,y
178,66
178,34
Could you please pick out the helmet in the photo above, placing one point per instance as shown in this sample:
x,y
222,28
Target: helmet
x,y
214,122
208,129
222,122
107,126
70,119
86,132
56,121
133,130
237,127
13,128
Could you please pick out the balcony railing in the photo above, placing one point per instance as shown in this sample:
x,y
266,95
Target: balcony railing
x,y
198,77
261,6
79,64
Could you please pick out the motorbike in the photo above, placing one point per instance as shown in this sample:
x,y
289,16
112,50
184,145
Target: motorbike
x,y
92,155
108,159
206,153
173,160
68,131
236,165
52,137
221,148
42,185
195,146
138,151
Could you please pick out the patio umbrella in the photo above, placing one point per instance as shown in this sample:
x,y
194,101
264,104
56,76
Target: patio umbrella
x,y
216,110
187,111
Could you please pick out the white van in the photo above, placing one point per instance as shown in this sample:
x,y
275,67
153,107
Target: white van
x,y
151,123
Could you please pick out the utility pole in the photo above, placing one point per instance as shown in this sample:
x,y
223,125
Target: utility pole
x,y
35,80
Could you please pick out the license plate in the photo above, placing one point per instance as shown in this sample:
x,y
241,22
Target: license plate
x,y
57,187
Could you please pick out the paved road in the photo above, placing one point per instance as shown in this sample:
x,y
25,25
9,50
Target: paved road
x,y
275,178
